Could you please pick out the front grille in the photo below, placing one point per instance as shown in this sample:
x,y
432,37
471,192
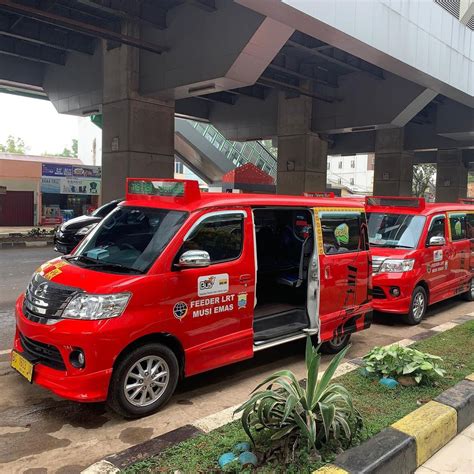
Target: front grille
x,y
43,353
377,263
378,293
45,301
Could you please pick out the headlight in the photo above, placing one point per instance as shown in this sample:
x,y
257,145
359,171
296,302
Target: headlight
x,y
85,306
397,266
85,230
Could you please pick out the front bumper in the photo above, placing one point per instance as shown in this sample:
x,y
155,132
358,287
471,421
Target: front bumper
x,y
384,301
89,384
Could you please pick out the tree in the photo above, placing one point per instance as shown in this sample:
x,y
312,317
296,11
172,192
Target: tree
x,y
13,145
67,152
423,176
74,147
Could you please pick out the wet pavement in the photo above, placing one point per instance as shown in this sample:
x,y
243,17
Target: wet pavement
x,y
40,433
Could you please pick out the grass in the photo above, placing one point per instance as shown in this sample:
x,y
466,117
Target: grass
x,y
379,406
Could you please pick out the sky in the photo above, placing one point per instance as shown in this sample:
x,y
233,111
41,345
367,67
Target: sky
x,y
37,123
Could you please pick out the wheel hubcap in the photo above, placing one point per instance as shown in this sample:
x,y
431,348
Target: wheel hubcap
x,y
472,287
418,306
146,381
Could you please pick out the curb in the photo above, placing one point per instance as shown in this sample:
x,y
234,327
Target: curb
x,y
32,243
411,441
390,451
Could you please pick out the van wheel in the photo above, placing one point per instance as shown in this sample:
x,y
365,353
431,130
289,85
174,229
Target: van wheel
x,y
336,344
418,305
469,295
143,381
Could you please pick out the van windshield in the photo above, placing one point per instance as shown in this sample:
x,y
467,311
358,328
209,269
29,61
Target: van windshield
x,y
129,239
395,230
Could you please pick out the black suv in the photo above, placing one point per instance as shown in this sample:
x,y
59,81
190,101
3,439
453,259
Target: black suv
x,y
69,234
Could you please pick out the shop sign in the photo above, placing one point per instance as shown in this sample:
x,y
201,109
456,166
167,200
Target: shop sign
x,y
80,186
71,171
67,179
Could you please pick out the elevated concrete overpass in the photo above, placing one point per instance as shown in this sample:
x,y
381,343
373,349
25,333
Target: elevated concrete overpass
x,y
391,77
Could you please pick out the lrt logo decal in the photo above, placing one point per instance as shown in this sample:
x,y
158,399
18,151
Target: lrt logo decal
x,y
213,284
207,284
180,310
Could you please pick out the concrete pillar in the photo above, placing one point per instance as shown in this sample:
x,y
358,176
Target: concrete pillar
x,y
451,176
138,132
302,154
393,166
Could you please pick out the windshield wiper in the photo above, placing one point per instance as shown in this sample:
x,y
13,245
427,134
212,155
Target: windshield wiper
x,y
93,262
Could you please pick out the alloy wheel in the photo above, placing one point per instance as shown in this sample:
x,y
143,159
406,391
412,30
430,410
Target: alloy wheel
x,y
146,381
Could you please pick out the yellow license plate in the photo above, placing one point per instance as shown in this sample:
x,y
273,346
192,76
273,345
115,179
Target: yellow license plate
x,y
22,366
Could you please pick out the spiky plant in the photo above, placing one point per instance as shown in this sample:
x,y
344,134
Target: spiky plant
x,y
314,413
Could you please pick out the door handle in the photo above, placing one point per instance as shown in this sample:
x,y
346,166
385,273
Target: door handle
x,y
245,278
327,272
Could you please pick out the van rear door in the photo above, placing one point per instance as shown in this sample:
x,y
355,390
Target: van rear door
x,y
344,267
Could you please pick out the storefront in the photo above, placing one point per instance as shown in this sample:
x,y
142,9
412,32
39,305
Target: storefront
x,y
68,191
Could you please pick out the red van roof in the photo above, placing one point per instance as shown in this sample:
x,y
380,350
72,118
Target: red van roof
x,y
412,205
185,195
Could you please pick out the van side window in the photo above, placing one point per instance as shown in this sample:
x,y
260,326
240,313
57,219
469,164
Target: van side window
x,y
470,226
220,235
341,232
437,228
457,223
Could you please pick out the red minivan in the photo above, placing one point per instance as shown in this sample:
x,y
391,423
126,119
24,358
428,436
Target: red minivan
x,y
421,253
174,282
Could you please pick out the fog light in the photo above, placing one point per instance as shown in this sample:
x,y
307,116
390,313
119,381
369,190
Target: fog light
x,y
77,359
395,291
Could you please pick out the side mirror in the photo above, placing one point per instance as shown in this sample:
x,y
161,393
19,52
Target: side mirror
x,y
437,241
194,259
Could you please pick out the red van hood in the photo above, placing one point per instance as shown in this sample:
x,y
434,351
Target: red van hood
x,y
63,272
391,253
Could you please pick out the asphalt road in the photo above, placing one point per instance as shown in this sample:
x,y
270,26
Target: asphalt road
x,y
40,433
17,266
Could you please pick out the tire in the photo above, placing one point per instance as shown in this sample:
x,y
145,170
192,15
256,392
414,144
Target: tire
x,y
418,305
336,344
469,295
163,360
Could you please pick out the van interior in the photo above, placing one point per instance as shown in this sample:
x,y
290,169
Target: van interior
x,y
285,242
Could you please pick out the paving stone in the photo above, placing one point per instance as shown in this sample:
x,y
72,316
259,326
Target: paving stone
x,y
457,457
388,452
461,398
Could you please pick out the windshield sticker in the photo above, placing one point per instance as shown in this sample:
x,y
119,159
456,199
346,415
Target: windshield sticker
x,y
341,232
213,284
437,256
180,310
458,228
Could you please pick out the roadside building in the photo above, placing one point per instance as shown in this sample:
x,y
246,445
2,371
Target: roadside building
x,y
46,190
352,174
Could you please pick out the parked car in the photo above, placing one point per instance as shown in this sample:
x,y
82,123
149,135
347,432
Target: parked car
x,y
174,283
69,234
422,253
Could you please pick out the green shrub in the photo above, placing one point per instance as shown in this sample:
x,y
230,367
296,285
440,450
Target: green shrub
x,y
295,415
396,361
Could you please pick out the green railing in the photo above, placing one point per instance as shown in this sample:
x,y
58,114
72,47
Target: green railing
x,y
239,153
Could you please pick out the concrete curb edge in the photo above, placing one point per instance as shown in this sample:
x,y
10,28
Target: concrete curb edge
x,y
26,243
114,463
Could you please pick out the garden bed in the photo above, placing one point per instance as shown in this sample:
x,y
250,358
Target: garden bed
x,y
378,405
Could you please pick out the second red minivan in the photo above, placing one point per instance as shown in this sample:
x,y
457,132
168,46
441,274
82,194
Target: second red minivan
x,y
421,253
